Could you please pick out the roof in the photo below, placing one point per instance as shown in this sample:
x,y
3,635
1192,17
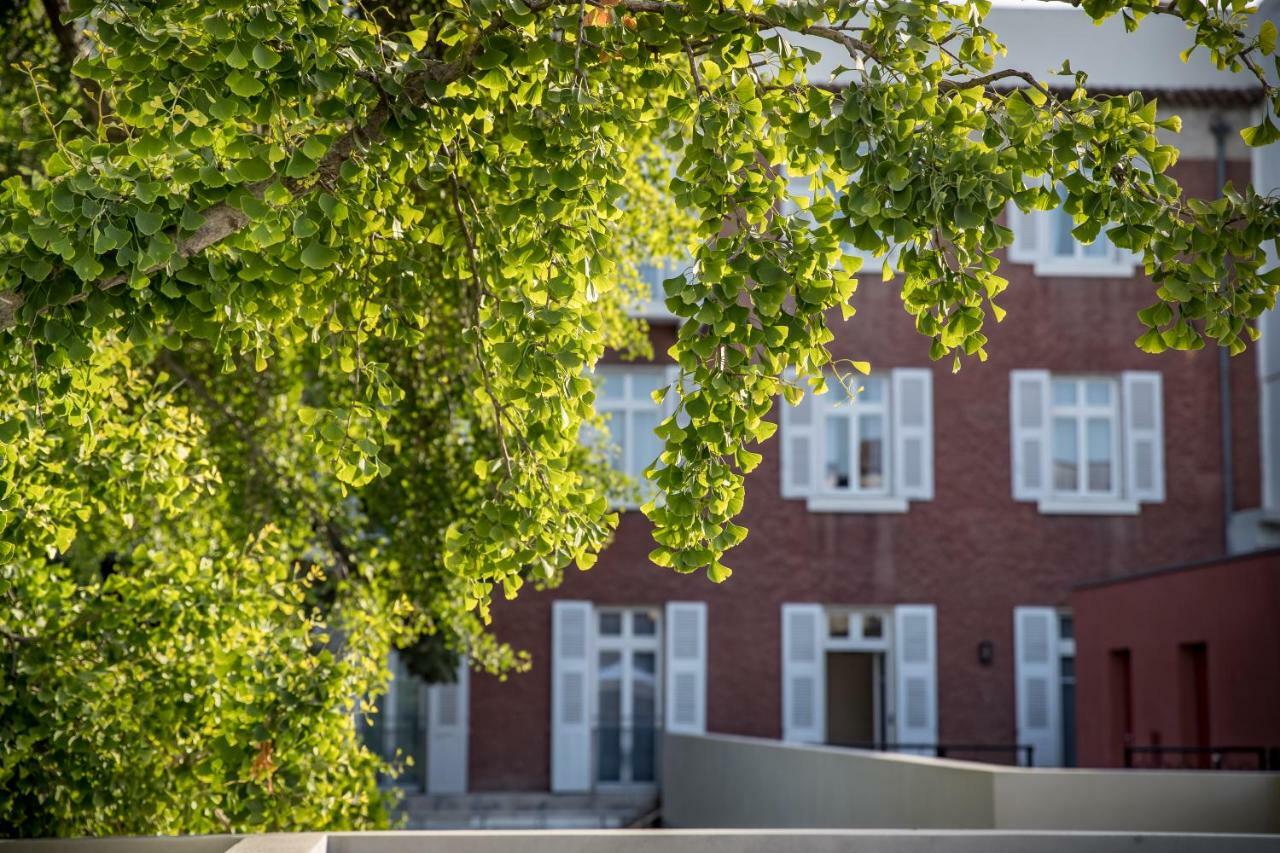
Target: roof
x,y
1177,568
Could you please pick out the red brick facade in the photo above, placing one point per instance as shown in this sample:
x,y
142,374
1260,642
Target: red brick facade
x,y
972,550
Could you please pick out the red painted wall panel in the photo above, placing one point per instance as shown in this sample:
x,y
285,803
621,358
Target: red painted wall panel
x,y
1230,606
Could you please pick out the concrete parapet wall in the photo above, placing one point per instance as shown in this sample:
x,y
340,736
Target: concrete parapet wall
x,y
726,781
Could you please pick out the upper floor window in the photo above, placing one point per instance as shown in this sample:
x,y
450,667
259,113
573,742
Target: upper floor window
x,y
800,198
653,299
1087,444
1044,238
624,397
871,453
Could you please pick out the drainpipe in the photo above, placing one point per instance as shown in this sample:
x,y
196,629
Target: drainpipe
x,y
1219,128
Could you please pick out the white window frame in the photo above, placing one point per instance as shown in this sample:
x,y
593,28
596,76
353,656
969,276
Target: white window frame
x,y
1126,494
619,415
1081,412
626,643
892,496
1116,263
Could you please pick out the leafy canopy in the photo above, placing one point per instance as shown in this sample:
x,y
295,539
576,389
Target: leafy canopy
x,y
300,299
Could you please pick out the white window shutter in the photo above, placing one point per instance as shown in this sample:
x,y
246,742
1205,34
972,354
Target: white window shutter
x,y
1025,227
804,667
799,431
571,685
1035,673
447,716
1144,435
916,675
686,667
913,432
1029,433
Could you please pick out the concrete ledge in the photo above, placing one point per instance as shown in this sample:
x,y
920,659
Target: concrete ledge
x,y
681,841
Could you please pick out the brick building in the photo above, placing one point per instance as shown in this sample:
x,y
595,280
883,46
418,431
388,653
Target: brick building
x,y
907,579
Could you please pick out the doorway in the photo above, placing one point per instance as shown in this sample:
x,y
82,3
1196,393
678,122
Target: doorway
x,y
855,698
628,696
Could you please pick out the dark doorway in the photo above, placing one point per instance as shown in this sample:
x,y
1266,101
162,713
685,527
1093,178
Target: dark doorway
x,y
1193,699
854,691
1121,678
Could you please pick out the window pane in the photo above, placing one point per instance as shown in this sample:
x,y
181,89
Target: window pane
x,y
872,390
644,383
647,445
1100,248
872,626
1063,241
1099,434
644,715
837,624
643,623
652,274
612,385
871,451
1064,392
609,718
644,703
1097,393
1065,456
837,470
1066,626
610,623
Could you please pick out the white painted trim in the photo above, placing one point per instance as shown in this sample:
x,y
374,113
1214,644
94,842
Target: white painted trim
x,y
1084,506
1047,738
571,723
802,675
917,674
853,504
686,666
1062,268
447,743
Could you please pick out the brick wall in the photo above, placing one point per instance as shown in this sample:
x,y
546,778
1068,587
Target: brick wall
x,y
972,551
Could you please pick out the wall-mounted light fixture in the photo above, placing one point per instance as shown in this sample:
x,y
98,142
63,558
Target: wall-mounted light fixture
x,y
986,652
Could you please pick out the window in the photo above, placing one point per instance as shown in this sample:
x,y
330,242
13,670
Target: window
x,y
1087,444
624,399
653,272
800,196
1044,238
1084,414
869,454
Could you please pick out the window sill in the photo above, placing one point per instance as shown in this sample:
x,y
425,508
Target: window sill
x,y
870,506
1068,269
1067,506
653,312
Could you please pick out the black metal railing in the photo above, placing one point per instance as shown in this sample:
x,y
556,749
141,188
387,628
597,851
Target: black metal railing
x,y
1202,757
990,753
403,745
626,754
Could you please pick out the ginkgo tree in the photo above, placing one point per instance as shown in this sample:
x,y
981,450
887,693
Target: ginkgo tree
x,y
300,300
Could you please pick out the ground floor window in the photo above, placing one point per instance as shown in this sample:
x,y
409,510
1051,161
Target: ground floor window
x,y
627,694
620,676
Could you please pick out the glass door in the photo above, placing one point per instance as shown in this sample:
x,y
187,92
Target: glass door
x,y
627,695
